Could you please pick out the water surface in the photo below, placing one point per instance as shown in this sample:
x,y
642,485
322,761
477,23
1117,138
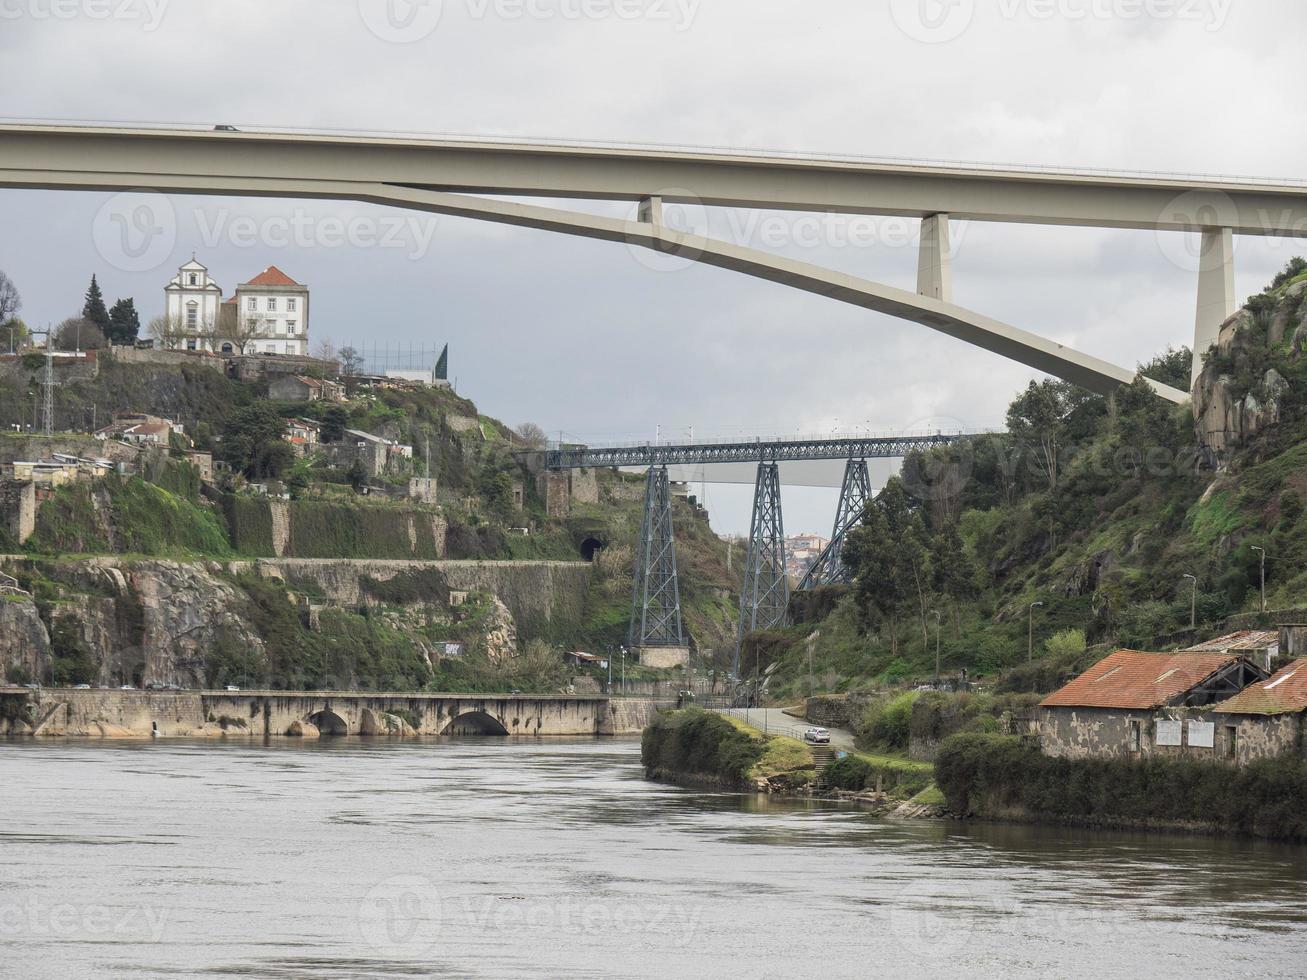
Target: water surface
x,y
353,857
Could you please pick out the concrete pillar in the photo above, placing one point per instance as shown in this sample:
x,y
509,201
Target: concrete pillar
x,y
1216,300
935,264
651,210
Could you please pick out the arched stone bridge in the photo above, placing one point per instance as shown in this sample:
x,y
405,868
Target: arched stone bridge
x,y
96,713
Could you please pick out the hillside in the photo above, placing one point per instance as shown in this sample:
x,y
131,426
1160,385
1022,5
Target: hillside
x,y
287,568
1096,509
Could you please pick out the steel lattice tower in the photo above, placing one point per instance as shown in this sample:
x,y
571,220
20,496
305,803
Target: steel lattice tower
x,y
765,597
656,602
855,494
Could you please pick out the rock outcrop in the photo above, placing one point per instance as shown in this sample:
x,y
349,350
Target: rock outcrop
x,y
24,640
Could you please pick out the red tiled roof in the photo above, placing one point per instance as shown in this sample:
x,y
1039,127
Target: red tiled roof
x,y
1130,679
1242,640
271,276
1284,693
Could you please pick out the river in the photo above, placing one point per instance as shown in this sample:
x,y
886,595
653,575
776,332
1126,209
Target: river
x,y
354,857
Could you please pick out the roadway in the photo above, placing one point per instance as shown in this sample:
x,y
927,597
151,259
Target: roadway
x,y
775,721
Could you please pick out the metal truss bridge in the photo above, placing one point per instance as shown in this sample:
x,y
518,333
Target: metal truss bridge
x,y
764,597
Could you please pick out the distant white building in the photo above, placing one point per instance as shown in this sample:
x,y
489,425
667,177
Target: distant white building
x,y
278,307
267,315
191,302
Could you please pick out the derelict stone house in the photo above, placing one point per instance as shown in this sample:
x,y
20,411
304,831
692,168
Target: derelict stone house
x,y
1267,719
1132,704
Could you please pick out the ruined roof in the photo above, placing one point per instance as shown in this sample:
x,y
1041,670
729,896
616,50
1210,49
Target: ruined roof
x,y
1284,693
1130,679
1241,640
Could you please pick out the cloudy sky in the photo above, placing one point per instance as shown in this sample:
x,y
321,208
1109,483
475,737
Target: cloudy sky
x,y
592,340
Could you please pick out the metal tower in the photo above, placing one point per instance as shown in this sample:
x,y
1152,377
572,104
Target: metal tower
x,y
656,602
765,597
855,494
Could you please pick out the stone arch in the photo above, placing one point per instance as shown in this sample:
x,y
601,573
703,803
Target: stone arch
x,y
228,348
329,723
475,723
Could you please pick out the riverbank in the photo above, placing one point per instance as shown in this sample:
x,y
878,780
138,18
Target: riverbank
x,y
999,778
701,749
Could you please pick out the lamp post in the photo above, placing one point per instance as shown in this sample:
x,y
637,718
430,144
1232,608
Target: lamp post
x,y
1262,565
1030,634
939,625
1193,601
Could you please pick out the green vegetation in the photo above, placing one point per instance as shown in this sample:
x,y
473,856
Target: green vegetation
x,y
699,745
1073,529
995,776
900,778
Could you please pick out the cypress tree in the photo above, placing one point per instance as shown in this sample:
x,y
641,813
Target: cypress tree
x,y
93,309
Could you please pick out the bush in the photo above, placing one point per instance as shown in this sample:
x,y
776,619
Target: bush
x,y
855,773
988,775
698,743
887,723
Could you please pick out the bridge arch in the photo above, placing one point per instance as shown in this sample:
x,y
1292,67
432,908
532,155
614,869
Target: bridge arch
x,y
475,723
329,723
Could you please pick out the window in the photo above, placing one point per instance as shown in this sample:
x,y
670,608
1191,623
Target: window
x,y
192,317
194,279
290,326
290,305
272,304
190,344
1231,741
1136,736
252,305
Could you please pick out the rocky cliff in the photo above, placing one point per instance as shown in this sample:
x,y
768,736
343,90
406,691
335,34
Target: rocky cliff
x,y
1241,388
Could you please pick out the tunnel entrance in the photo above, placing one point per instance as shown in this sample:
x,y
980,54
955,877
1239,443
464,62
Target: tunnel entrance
x,y
591,547
475,723
329,723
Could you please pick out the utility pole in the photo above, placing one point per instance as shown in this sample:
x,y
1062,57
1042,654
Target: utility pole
x,y
812,642
1193,601
1030,637
1262,552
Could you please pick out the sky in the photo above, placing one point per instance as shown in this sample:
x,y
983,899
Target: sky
x,y
599,342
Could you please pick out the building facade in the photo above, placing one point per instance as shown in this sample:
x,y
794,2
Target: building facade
x,y
191,303
267,315
275,311
1133,705
1267,719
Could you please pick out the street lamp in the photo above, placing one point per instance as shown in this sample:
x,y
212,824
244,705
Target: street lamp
x,y
1262,564
1193,601
1030,637
939,624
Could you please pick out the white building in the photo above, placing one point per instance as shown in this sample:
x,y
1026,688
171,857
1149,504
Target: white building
x,y
278,306
268,315
191,302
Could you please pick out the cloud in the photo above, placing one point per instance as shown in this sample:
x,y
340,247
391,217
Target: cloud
x,y
579,336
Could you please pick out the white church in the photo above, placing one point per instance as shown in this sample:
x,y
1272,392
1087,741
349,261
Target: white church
x,y
267,315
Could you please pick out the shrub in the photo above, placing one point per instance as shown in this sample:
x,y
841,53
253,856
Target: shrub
x,y
695,742
887,723
992,775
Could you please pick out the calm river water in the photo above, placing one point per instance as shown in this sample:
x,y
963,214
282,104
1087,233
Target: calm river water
x,y
353,858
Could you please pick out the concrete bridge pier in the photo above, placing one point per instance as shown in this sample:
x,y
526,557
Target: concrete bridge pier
x,y
1216,300
935,262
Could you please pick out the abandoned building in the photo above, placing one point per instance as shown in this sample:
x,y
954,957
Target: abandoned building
x,y
1259,646
1133,704
1266,719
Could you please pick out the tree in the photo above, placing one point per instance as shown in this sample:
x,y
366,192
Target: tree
x,y
167,330
93,309
357,476
15,334
248,437
326,350
888,560
350,363
234,329
533,437
78,333
124,322
334,422
10,302
1036,418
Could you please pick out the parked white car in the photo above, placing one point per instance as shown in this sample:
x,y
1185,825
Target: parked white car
x,y
817,735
